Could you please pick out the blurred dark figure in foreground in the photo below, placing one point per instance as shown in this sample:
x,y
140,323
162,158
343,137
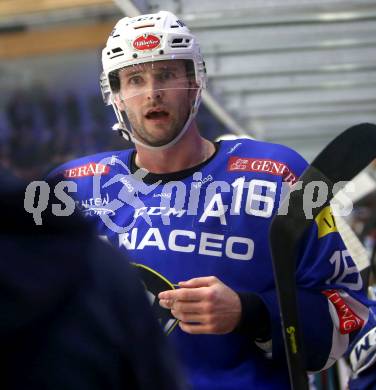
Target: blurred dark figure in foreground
x,y
72,313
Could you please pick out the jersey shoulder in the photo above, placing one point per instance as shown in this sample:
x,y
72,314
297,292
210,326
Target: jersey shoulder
x,y
264,151
89,165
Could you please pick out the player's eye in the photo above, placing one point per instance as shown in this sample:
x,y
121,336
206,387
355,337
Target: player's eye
x,y
135,80
166,75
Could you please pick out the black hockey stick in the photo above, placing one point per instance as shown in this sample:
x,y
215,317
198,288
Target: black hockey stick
x,y
341,160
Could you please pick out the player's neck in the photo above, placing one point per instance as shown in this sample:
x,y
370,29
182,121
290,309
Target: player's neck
x,y
188,152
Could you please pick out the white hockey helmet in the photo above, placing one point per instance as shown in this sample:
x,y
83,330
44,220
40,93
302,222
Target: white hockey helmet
x,y
148,38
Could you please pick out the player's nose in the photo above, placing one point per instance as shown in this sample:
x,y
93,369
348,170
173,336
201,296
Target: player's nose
x,y
155,90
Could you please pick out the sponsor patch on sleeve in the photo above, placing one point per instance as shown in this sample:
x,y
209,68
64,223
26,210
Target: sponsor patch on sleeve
x,y
325,222
89,169
272,167
348,321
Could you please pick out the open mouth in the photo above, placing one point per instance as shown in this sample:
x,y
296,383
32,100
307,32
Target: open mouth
x,y
157,114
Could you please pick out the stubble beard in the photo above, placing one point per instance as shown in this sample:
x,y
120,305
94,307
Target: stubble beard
x,y
167,132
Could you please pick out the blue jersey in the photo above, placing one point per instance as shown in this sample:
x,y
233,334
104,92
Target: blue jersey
x,y
214,220
362,356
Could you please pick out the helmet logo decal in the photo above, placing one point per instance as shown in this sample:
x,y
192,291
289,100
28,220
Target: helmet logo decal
x,y
146,42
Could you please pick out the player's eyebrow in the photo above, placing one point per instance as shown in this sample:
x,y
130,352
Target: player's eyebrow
x,y
167,67
130,72
136,71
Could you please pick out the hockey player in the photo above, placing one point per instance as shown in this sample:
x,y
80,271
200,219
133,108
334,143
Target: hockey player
x,y
194,217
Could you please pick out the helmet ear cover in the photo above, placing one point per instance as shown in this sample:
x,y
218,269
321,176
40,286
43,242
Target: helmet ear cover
x,y
190,70
114,80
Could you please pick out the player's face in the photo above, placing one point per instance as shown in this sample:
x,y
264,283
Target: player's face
x,y
157,98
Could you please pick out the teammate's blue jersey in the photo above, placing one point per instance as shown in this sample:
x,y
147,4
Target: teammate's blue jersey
x,y
215,221
362,356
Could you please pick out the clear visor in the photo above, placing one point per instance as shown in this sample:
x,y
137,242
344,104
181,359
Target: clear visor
x,y
162,93
155,78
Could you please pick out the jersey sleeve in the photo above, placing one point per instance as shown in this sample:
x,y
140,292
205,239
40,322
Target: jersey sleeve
x,y
362,355
332,307
331,303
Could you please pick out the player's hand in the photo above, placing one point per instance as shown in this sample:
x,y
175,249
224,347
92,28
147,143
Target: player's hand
x,y
203,306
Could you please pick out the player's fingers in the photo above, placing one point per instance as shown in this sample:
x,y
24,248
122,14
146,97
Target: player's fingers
x,y
166,303
184,294
188,317
195,328
205,281
188,307
169,295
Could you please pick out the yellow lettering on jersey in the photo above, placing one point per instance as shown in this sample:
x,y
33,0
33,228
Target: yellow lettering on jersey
x,y
325,222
